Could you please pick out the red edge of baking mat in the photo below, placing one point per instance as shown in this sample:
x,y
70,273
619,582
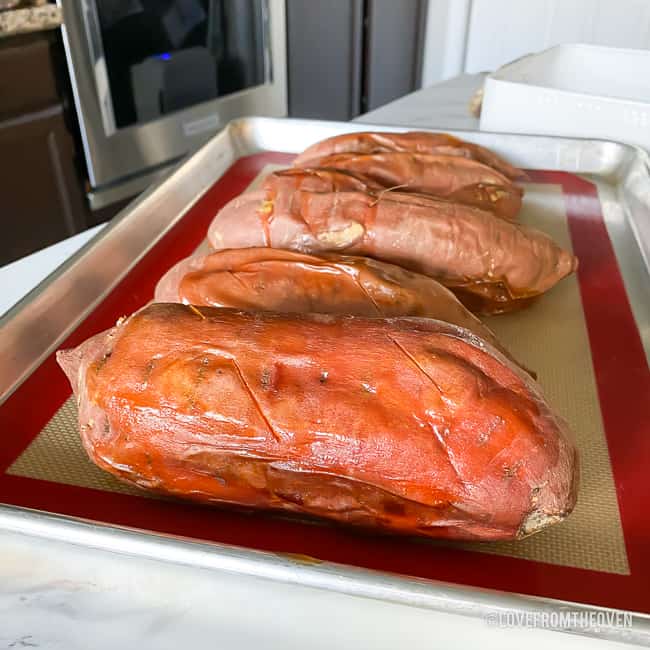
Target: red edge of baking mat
x,y
622,378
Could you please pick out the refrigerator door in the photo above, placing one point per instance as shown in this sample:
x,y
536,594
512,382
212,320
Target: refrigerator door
x,y
394,46
346,58
324,58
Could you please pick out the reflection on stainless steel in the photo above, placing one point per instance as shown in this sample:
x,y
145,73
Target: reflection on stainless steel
x,y
113,153
109,194
36,326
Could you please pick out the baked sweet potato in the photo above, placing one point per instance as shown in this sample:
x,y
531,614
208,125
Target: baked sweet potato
x,y
450,177
494,198
466,249
411,142
270,279
318,180
409,425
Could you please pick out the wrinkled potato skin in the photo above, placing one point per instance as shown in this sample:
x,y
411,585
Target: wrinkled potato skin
x,y
461,247
318,180
450,177
407,425
270,279
412,142
504,202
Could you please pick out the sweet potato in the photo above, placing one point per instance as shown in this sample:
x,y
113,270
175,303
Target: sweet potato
x,y
409,425
464,248
318,180
411,142
450,177
270,279
503,202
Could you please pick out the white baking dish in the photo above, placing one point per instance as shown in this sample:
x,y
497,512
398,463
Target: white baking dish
x,y
575,90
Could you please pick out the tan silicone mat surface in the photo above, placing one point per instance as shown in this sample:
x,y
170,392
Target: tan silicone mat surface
x,y
549,337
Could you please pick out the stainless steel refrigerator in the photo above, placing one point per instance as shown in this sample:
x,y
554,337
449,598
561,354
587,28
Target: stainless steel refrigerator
x,y
346,57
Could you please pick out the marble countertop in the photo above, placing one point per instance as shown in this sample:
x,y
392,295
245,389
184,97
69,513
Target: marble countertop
x,y
30,19
443,106
57,595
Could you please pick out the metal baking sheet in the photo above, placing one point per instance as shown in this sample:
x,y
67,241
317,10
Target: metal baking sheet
x,y
606,188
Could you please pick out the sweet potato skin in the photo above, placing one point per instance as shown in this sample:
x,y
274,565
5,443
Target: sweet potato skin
x,y
369,142
408,425
318,179
462,247
451,177
270,279
504,202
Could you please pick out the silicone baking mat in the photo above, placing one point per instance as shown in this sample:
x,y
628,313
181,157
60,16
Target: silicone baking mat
x,y
563,337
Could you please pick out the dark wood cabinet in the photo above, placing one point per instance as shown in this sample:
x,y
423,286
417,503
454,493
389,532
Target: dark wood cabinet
x,y
41,189
28,74
42,201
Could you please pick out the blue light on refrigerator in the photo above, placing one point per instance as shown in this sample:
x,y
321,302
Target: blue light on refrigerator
x,y
165,56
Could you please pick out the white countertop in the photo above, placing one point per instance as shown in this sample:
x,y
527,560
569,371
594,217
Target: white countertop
x,y
443,106
56,595
20,277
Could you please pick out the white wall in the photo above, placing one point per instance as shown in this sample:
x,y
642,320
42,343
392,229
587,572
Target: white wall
x,y
476,35
445,39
